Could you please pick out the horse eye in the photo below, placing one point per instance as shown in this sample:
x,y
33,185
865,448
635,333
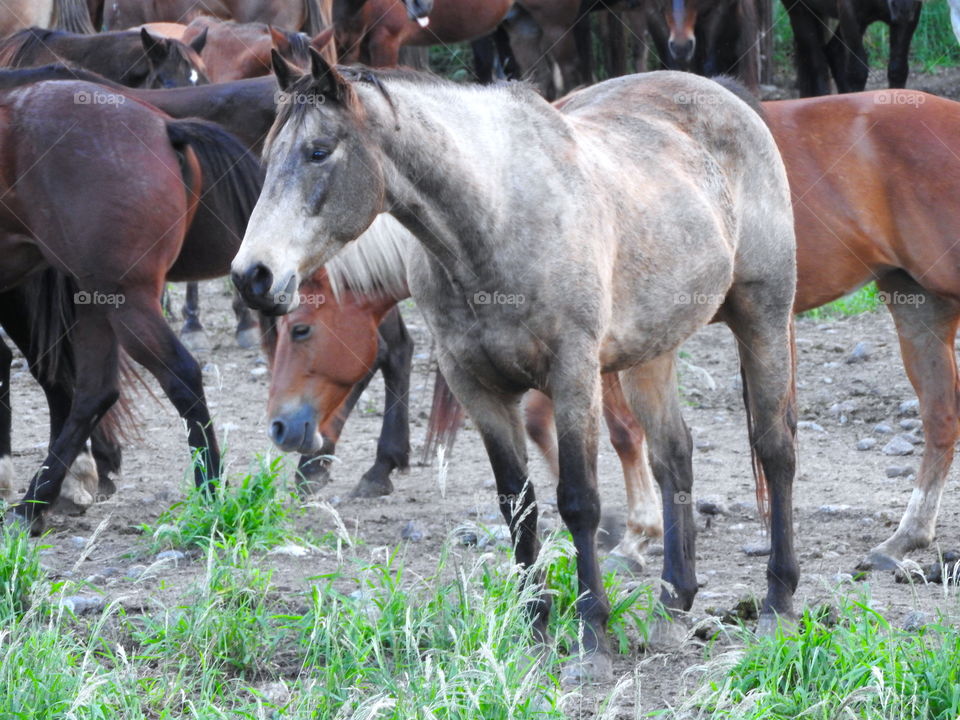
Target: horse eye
x,y
300,332
318,155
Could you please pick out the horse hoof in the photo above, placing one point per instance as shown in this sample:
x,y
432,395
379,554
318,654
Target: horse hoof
x,y
622,565
249,338
6,478
594,667
195,341
106,487
370,488
14,521
876,559
309,485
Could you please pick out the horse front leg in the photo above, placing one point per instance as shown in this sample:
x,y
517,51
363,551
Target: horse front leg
x,y
901,33
393,447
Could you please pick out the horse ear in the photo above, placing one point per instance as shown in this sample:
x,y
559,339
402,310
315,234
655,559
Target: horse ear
x,y
200,41
157,48
285,72
322,39
279,40
326,77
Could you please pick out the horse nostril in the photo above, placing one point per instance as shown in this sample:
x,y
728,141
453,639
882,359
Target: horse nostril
x,y
259,280
278,431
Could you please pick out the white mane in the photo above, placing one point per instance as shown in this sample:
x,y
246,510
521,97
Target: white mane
x,y
375,263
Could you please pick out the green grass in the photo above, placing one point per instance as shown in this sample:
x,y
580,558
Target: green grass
x,y
866,299
251,512
856,667
21,576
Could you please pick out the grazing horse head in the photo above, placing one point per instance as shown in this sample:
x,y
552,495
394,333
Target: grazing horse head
x,y
323,349
319,154
168,63
419,10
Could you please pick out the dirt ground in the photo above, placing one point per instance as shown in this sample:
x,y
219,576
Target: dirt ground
x,y
845,502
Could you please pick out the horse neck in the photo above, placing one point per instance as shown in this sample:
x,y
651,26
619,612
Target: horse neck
x,y
454,158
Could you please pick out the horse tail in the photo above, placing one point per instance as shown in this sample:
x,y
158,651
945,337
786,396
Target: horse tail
x,y
72,16
230,180
50,299
446,418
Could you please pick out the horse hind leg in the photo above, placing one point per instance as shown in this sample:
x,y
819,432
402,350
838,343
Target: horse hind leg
x,y
248,328
192,333
6,462
760,316
927,327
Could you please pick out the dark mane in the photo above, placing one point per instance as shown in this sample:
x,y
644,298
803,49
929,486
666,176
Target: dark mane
x,y
20,46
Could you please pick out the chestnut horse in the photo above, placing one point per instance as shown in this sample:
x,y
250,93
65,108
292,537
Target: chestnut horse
x,y
185,184
310,16
373,31
708,37
70,15
131,58
842,53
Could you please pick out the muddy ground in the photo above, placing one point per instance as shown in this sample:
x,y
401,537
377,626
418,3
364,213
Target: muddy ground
x,y
845,501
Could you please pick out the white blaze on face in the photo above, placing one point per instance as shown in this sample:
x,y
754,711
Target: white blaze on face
x,y
194,77
423,22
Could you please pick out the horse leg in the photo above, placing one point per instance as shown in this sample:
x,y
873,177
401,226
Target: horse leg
x,y
96,389
6,412
497,418
248,329
644,512
653,395
927,326
583,40
107,456
759,314
901,33
575,388
393,447
484,59
811,60
148,339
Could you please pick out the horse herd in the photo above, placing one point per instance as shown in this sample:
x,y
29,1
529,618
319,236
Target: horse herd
x,y
383,184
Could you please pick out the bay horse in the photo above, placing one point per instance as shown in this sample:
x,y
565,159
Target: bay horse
x,y
842,53
135,59
599,277
708,37
310,16
69,15
193,184
373,31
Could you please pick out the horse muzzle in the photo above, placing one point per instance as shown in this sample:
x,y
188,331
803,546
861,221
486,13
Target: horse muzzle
x,y
681,52
296,430
418,10
260,290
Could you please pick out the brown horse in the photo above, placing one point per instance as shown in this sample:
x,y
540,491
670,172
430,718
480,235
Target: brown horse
x,y
160,191
134,59
708,37
322,357
310,16
70,15
373,31
235,51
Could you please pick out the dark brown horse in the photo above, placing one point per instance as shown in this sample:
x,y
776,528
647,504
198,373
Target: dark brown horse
x,y
373,31
188,184
310,16
708,37
842,53
131,58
